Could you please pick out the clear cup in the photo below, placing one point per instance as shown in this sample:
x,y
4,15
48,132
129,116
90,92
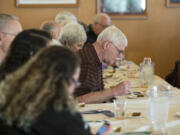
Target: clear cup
x,y
158,108
119,107
147,72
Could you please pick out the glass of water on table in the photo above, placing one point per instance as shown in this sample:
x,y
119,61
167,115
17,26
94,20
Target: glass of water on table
x,y
119,107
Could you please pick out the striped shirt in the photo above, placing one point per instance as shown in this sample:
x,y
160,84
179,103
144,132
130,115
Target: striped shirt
x,y
91,71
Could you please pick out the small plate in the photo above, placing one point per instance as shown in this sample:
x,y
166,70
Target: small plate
x,y
177,114
129,115
81,104
132,96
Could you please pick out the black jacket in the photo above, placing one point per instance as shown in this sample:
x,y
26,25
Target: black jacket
x,y
91,36
52,123
173,76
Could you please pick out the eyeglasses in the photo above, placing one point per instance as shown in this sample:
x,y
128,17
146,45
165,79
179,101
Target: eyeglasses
x,y
118,50
77,83
12,34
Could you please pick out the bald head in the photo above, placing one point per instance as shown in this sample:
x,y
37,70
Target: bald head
x,y
52,27
101,17
101,21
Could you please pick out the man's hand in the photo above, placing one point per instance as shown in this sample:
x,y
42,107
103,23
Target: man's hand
x,y
122,88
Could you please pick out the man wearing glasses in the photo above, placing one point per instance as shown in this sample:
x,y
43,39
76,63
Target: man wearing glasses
x,y
110,45
101,21
9,28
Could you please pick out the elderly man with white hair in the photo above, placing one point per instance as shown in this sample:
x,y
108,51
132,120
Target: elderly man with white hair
x,y
73,36
109,45
9,28
101,21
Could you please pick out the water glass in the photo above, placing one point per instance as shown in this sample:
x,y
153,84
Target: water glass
x,y
158,108
119,107
147,72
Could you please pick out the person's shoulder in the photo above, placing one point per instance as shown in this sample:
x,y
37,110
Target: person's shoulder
x,y
85,50
85,26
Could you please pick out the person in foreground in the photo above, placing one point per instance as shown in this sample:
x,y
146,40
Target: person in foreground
x,y
36,99
109,45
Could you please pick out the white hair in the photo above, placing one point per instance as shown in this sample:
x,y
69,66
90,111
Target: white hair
x,y
62,17
4,18
114,35
64,22
73,33
97,18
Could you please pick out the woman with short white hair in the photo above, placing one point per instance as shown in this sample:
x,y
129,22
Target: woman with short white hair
x,y
63,17
73,36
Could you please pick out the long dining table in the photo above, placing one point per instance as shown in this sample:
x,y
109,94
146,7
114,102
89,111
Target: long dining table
x,y
135,103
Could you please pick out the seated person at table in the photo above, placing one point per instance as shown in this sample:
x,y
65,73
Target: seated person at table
x,y
65,17
73,36
53,28
24,46
9,28
109,45
101,21
35,100
174,77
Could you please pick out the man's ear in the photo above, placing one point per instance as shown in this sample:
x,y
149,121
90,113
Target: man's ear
x,y
53,35
67,44
106,45
1,38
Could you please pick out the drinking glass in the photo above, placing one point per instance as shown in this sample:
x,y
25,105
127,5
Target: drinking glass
x,y
119,107
158,108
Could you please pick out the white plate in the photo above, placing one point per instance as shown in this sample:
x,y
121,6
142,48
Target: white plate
x,y
132,97
177,114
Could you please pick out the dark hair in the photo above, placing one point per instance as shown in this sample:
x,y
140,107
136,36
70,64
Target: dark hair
x,y
41,82
25,45
173,77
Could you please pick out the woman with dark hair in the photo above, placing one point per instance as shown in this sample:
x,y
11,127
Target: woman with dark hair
x,y
36,98
23,47
174,77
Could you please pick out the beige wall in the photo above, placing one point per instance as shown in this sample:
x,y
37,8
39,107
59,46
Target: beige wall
x,y
158,36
